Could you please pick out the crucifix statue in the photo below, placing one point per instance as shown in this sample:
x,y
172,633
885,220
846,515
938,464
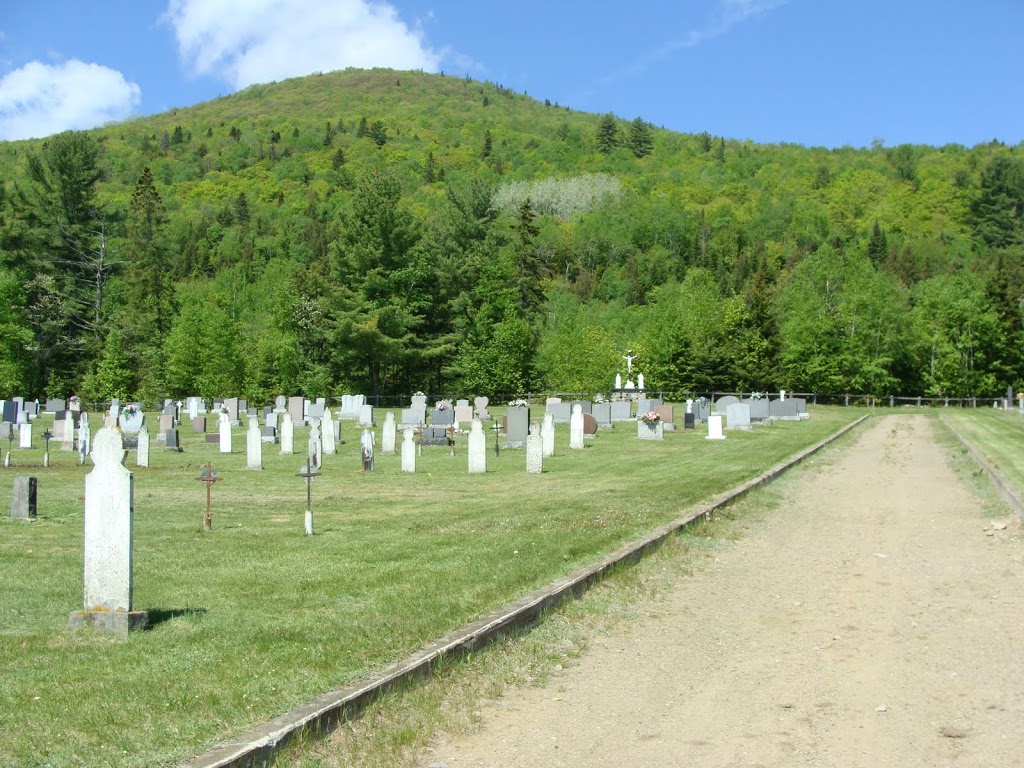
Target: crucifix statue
x,y
629,357
209,477
308,472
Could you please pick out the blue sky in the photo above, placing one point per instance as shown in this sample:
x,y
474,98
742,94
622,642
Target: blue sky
x,y
814,72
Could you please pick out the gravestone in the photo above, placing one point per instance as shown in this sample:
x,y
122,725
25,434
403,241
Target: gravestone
x,y
314,447
603,415
366,450
722,404
547,435
315,410
647,405
621,410
365,415
589,425
280,404
24,435
550,400
328,437
759,410
477,448
199,424
287,434
534,450
273,419
702,409
586,405
654,430
9,412
132,418
6,430
166,423
517,426
253,445
561,412
784,410
115,407
442,418
408,450
576,428
55,405
387,440
84,437
108,541
296,407
464,413
480,404
224,430
715,427
689,421
142,447
171,442
68,440
737,416
213,438
268,435
170,409
192,404
231,403
801,407
23,498
434,436
667,413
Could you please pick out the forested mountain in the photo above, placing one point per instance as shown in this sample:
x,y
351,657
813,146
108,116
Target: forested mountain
x,y
385,232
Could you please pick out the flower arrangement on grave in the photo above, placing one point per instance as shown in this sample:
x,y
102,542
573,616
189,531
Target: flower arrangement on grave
x,y
651,418
75,400
129,410
755,395
599,398
418,394
443,405
518,403
224,410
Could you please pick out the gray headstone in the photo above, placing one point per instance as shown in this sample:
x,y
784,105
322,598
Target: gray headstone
x,y
560,412
23,498
603,415
199,424
443,418
517,426
622,410
171,440
737,416
534,450
722,404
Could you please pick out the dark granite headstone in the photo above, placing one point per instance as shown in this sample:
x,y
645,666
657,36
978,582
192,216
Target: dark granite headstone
x,y
434,436
10,412
689,421
171,440
442,418
268,435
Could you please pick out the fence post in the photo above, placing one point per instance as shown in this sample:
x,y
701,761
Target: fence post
x,y
846,399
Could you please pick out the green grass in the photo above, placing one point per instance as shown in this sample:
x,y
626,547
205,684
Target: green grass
x,y
254,617
996,435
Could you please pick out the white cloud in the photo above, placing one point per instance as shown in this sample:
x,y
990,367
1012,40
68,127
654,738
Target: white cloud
x,y
256,41
39,99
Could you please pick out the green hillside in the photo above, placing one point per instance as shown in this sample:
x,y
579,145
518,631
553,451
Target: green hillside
x,y
386,232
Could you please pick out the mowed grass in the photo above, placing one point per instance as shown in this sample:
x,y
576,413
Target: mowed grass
x,y
996,435
254,617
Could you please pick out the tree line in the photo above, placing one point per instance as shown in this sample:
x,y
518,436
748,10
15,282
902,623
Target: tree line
x,y
470,239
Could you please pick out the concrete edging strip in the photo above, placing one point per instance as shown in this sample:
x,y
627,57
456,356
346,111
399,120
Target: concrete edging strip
x,y
322,714
1003,486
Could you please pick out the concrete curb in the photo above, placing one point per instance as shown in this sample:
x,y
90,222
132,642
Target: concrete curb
x,y
323,714
1003,486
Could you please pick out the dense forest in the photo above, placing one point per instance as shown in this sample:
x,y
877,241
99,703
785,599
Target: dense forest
x,y
385,232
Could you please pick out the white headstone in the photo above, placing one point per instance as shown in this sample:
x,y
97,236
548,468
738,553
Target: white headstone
x,y
639,381
547,435
534,450
715,427
142,449
618,381
109,509
287,434
689,406
328,439
408,450
254,445
782,394
25,436
225,433
365,415
387,439
84,437
68,438
576,428
366,450
314,448
477,448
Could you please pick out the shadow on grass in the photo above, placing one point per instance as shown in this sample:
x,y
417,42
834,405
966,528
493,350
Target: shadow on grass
x,y
158,616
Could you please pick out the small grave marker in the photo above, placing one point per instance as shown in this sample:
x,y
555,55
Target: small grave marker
x,y
209,477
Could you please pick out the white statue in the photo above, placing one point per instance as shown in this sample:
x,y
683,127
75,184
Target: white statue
x,y
629,357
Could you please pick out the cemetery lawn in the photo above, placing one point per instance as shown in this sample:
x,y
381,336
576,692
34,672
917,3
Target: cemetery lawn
x,y
254,618
996,435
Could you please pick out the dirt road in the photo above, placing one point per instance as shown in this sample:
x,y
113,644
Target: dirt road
x,y
875,618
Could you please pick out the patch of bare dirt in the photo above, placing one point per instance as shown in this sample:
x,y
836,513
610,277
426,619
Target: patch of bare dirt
x,y
875,618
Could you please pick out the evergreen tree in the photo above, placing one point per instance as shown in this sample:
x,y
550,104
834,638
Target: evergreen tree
x,y
641,140
488,146
607,134
878,247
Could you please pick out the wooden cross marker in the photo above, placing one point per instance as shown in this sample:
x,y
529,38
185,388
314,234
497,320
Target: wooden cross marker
x,y
209,477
